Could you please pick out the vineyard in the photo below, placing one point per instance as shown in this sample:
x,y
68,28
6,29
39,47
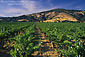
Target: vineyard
x,y
24,39
68,39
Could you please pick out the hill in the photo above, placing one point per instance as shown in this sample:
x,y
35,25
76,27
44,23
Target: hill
x,y
55,15
0,16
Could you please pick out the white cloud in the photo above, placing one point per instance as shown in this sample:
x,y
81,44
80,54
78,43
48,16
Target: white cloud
x,y
49,1
34,6
31,6
13,12
79,7
2,15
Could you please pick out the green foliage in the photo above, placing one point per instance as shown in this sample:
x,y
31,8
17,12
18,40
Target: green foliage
x,y
11,29
67,35
24,44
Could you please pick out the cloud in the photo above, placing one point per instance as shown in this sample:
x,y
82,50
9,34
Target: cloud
x,y
79,7
49,1
13,12
2,15
30,5
67,5
34,6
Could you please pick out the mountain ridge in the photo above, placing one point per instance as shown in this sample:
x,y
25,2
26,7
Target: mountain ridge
x,y
58,15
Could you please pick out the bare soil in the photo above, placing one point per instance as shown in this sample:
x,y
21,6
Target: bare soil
x,y
46,49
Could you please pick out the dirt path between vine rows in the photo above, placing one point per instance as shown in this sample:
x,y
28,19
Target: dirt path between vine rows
x,y
46,49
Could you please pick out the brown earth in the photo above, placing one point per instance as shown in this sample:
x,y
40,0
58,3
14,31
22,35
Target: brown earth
x,y
0,19
23,20
46,49
62,17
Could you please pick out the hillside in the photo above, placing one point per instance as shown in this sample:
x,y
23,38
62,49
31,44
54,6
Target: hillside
x,y
55,15
62,17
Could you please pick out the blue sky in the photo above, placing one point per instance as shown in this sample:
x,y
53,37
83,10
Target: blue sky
x,y
11,8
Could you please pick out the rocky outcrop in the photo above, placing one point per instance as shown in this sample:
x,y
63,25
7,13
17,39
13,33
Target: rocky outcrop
x,y
23,20
64,16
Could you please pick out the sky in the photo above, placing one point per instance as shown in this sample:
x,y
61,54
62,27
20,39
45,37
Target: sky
x,y
12,8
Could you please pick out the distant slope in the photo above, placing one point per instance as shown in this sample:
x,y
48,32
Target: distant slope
x,y
0,16
55,15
